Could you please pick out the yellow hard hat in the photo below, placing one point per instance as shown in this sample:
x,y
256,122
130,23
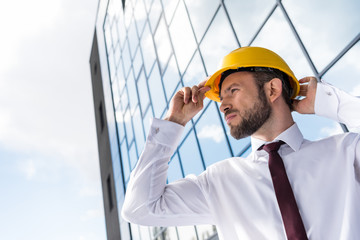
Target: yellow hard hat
x,y
250,57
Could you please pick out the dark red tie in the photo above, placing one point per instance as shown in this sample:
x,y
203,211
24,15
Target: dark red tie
x,y
294,226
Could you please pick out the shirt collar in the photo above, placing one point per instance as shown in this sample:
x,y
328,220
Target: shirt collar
x,y
291,136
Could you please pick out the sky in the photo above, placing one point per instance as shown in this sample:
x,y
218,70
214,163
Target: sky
x,y
49,171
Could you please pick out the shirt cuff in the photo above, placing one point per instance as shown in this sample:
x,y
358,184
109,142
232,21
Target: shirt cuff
x,y
165,132
326,101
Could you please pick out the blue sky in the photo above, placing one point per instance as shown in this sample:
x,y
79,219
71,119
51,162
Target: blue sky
x,y
49,171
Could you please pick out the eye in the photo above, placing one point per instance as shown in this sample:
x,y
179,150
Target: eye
x,y
234,90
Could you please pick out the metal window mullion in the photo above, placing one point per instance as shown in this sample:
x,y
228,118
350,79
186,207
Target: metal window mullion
x,y
263,24
231,25
340,55
297,37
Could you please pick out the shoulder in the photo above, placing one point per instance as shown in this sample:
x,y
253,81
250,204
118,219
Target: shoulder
x,y
331,143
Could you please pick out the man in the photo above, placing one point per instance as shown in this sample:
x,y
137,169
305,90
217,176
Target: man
x,y
318,199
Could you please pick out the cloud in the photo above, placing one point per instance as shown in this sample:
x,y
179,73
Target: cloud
x,y
92,214
356,91
331,130
28,168
213,132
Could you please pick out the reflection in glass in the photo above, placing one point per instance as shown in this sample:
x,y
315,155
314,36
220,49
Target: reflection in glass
x,y
140,16
187,233
201,12
218,42
171,78
154,14
125,160
182,37
147,120
169,8
205,231
132,92
174,171
211,136
137,63
120,123
147,48
334,23
247,17
124,99
283,43
157,93
126,59
138,129
128,126
116,93
133,38
143,93
121,31
190,156
162,42
133,156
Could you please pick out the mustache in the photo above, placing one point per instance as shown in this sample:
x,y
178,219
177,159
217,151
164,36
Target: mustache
x,y
230,112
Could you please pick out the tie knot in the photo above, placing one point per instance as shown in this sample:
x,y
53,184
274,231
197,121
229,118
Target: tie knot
x,y
272,147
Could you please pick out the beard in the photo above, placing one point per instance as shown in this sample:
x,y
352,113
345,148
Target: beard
x,y
251,119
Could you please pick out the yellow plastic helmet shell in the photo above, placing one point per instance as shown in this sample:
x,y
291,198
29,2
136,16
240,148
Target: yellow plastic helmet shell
x,y
250,57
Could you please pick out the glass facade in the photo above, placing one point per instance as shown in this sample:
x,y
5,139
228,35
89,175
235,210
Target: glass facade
x,y
155,47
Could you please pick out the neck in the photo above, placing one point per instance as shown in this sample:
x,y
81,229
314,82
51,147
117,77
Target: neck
x,y
279,121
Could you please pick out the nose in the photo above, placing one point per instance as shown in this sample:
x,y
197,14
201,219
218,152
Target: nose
x,y
224,107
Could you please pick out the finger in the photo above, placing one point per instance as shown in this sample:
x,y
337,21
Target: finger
x,y
202,92
303,90
202,84
307,79
194,92
187,94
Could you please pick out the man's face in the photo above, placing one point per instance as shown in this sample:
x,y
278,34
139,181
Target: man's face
x,y
245,107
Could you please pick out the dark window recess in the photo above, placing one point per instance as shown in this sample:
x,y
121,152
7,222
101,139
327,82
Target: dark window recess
x,y
111,203
102,117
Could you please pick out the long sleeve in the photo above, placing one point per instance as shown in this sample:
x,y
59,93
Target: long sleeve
x,y
337,105
149,200
340,106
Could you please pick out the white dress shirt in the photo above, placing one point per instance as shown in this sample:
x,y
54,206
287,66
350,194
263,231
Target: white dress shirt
x,y
237,194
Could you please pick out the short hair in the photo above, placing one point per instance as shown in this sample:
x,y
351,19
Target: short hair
x,y
263,75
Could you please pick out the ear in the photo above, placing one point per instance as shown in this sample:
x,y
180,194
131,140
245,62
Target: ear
x,y
274,89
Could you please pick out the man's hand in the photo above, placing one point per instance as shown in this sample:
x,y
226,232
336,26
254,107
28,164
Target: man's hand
x,y
186,103
308,90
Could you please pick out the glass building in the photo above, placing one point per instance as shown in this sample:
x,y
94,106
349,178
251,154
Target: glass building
x,y
146,50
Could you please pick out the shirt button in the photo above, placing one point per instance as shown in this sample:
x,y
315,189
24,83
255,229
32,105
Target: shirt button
x,y
329,93
157,130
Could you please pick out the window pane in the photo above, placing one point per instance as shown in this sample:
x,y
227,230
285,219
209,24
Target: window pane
x,y
182,37
211,136
144,232
201,12
137,63
155,14
169,8
139,133
190,156
147,120
247,17
205,231
147,48
124,99
284,44
133,38
140,16
186,233
171,78
132,92
133,156
125,160
334,23
174,171
121,31
116,93
135,232
143,92
162,42
120,124
218,42
128,126
157,93
126,59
